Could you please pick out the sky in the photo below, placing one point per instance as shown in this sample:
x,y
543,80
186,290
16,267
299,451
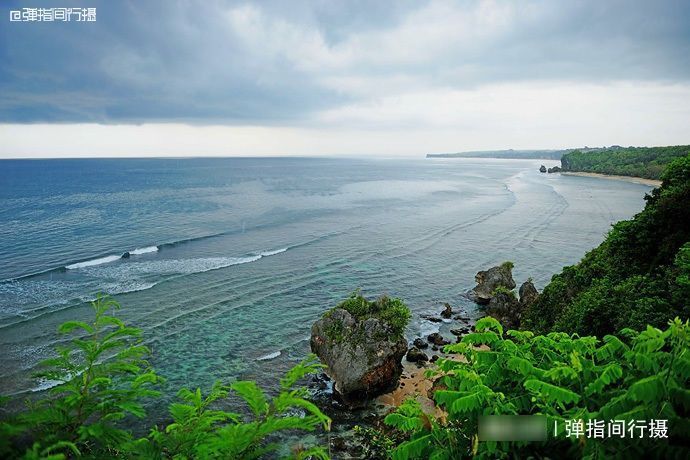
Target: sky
x,y
356,78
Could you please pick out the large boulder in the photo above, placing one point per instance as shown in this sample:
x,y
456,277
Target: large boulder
x,y
506,309
363,355
528,293
542,169
488,281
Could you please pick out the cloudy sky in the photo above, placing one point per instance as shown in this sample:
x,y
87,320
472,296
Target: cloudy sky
x,y
382,78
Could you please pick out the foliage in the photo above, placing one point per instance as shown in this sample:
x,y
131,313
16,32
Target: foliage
x,y
377,444
201,432
637,276
503,290
508,265
647,162
637,376
389,310
102,378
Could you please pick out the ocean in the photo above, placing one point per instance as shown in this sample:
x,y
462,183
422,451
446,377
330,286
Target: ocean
x,y
231,260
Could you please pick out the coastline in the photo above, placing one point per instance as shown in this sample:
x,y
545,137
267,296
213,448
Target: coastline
x,y
634,180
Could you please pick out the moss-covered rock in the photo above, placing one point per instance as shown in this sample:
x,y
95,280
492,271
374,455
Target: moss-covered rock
x,y
362,343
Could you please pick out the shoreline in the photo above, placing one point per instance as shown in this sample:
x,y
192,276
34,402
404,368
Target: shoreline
x,y
633,179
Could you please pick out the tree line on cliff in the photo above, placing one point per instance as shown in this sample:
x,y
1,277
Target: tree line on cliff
x,y
646,162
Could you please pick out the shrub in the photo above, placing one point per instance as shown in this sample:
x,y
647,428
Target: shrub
x,y
637,376
504,290
392,311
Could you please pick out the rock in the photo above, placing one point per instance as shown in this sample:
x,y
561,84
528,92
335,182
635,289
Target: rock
x,y
338,443
363,357
460,331
555,169
489,280
434,348
435,386
437,339
415,355
461,318
447,311
433,319
434,358
126,255
542,169
528,294
506,309
420,343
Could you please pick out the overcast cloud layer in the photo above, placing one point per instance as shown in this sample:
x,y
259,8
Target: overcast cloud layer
x,y
372,77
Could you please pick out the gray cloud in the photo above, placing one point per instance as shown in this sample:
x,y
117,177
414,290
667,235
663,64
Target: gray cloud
x,y
279,62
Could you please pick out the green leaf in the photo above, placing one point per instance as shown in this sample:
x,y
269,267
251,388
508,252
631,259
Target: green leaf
x,y
647,389
552,393
413,449
69,326
252,395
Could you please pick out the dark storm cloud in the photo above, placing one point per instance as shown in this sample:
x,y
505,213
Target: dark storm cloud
x,y
270,62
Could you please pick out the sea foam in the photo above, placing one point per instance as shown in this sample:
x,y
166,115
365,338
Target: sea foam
x,y
145,250
93,262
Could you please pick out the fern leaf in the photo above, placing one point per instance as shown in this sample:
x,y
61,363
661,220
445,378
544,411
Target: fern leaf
x,y
413,449
610,374
552,393
252,395
647,389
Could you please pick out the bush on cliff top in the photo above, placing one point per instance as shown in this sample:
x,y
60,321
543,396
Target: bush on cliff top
x,y
389,310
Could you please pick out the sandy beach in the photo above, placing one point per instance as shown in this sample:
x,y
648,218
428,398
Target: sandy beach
x,y
636,180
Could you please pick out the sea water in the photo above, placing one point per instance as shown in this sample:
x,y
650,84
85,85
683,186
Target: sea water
x,y
225,263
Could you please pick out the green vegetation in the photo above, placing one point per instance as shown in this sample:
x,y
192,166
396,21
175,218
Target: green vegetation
x,y
102,381
647,162
508,265
504,290
637,376
637,276
389,310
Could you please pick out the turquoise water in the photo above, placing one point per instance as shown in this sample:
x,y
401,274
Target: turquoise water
x,y
231,260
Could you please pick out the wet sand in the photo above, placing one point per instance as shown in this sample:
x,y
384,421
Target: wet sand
x,y
635,180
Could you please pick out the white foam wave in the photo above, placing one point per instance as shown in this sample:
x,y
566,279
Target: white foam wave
x,y
272,253
93,262
269,356
45,384
145,250
164,267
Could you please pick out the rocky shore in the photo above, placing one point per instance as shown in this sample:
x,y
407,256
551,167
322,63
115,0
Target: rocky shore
x,y
372,370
